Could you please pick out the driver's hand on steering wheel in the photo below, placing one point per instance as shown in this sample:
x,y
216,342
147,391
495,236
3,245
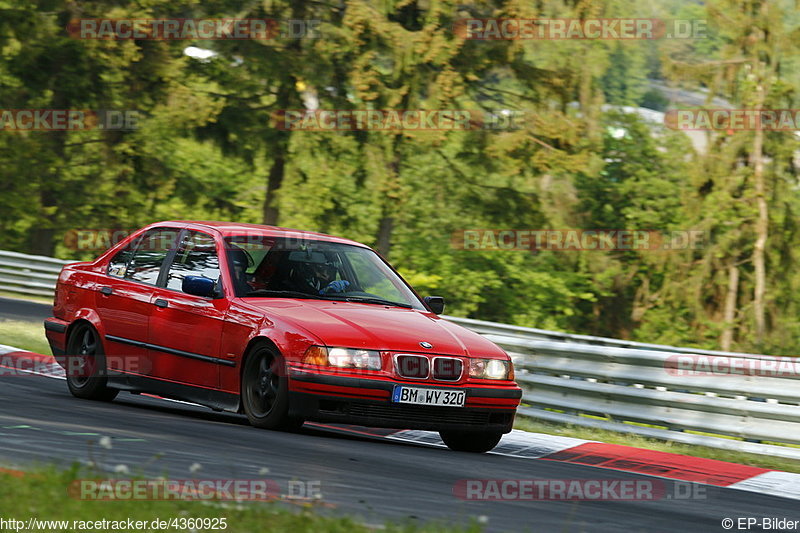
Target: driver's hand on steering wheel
x,y
340,285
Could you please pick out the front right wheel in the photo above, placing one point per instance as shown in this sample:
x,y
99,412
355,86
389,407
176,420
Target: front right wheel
x,y
471,441
265,391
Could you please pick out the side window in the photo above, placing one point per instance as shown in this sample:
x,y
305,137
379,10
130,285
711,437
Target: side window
x,y
153,249
197,256
119,263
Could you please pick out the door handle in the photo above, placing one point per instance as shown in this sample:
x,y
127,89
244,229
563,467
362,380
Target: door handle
x,y
160,302
106,290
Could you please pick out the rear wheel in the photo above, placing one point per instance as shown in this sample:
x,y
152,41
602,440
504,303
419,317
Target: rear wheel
x,y
265,391
86,365
471,441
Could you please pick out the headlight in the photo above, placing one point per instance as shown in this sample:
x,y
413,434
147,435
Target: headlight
x,y
491,369
343,357
350,358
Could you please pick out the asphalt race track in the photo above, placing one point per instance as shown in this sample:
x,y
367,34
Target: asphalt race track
x,y
374,479
13,309
371,478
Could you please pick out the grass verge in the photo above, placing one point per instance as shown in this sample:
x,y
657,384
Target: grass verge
x,y
613,437
42,494
24,335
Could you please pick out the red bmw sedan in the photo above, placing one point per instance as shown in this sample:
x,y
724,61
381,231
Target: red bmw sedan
x,y
282,325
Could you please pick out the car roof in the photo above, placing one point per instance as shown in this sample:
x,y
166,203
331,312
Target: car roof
x,y
232,229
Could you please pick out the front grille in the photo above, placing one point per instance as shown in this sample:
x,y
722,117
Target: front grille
x,y
447,368
413,366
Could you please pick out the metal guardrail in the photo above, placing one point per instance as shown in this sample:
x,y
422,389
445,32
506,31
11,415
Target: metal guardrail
x,y
641,389
494,328
599,382
32,275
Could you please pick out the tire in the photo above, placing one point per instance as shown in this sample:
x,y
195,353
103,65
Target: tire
x,y
471,441
85,352
265,390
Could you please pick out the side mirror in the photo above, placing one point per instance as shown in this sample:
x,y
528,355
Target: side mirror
x,y
199,286
436,303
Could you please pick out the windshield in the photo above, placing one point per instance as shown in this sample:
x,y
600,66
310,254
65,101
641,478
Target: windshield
x,y
278,267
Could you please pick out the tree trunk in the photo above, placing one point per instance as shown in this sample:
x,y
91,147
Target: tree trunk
x,y
385,229
42,237
761,227
286,98
274,181
386,224
278,146
42,241
729,311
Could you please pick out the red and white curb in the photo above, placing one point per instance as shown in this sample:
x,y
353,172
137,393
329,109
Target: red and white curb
x,y
635,460
14,361
523,444
515,444
774,482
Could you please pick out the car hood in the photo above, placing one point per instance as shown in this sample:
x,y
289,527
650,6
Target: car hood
x,y
376,327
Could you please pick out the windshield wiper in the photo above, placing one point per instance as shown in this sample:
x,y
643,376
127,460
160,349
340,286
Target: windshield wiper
x,y
379,301
283,294
298,294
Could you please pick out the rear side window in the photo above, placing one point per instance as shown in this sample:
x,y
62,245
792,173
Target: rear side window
x,y
150,255
196,256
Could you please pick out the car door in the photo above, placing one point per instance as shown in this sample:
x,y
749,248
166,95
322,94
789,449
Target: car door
x,y
124,299
185,330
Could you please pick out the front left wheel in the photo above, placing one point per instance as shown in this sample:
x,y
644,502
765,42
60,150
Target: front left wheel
x,y
265,391
86,365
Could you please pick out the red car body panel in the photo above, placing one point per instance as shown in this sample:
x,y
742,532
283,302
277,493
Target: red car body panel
x,y
192,348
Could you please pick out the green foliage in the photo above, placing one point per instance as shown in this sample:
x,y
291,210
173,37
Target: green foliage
x,y
208,147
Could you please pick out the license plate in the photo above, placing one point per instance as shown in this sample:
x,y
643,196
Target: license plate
x,y
419,396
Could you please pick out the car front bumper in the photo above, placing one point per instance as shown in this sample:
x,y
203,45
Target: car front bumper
x,y
366,401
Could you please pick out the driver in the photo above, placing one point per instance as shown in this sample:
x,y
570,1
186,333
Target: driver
x,y
320,278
